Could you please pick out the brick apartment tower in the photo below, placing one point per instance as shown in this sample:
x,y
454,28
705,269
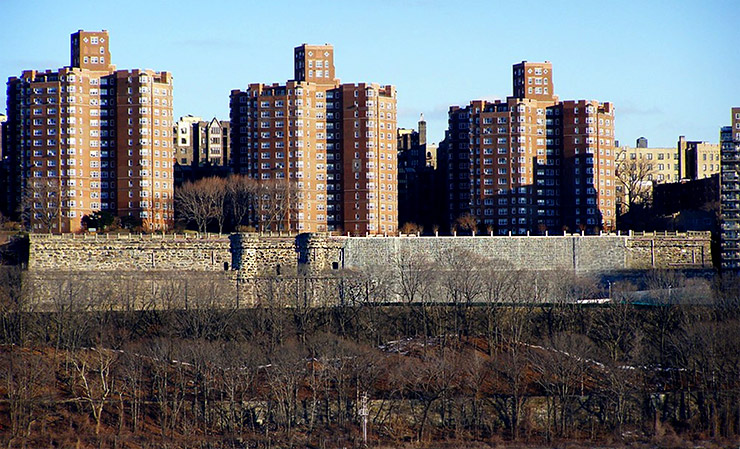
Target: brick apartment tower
x,y
334,143
531,163
89,138
730,193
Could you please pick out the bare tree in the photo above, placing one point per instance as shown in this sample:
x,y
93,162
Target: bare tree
x,y
619,338
411,228
431,377
278,199
510,364
239,369
634,176
284,375
14,305
41,204
498,281
168,384
217,191
202,201
130,371
241,194
562,366
462,284
468,222
94,380
25,377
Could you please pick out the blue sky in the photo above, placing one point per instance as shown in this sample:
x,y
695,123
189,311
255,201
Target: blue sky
x,y
668,66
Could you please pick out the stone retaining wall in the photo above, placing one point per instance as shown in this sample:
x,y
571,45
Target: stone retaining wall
x,y
256,255
231,268
71,252
582,254
691,250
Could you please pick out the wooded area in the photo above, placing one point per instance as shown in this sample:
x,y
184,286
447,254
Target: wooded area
x,y
236,202
485,366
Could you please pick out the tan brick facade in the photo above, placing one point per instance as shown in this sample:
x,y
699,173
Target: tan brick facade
x,y
532,163
91,138
333,144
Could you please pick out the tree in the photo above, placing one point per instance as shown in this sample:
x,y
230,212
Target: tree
x,y
239,363
410,228
24,376
216,190
132,223
94,380
617,335
98,220
462,284
634,176
42,205
241,198
283,377
202,201
561,367
277,199
467,222
169,383
433,376
498,282
414,283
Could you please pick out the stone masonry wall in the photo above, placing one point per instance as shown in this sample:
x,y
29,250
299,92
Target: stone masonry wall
x,y
255,255
582,254
672,251
247,269
70,252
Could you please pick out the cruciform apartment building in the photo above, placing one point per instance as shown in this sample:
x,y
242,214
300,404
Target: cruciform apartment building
x,y
87,138
531,162
327,147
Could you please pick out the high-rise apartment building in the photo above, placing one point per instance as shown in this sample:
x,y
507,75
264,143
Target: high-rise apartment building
x,y
88,138
3,120
331,145
730,193
532,163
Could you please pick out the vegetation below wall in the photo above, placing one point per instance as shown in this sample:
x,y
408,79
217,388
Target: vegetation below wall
x,y
524,373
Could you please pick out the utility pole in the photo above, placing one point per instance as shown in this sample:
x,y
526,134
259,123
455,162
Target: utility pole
x,y
364,412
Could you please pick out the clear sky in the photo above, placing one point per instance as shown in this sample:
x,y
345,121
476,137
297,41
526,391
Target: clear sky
x,y
670,67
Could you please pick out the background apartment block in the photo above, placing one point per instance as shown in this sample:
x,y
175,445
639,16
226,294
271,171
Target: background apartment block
x,y
333,145
688,161
199,142
730,193
184,139
699,160
418,192
89,138
531,163
662,164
